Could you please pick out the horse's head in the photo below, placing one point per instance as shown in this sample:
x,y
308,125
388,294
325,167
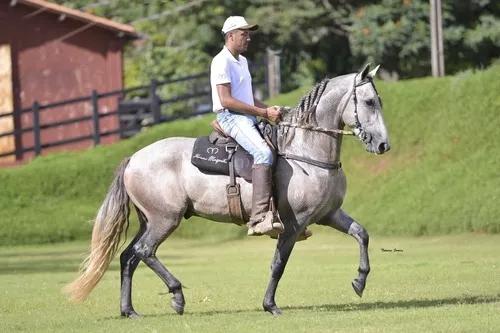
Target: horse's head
x,y
350,100
362,111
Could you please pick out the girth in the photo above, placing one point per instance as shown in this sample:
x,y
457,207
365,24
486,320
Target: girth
x,y
220,154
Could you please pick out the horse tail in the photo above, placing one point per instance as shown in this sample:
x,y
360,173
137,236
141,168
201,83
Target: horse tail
x,y
108,226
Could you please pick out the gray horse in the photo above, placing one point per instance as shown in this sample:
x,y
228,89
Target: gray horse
x,y
310,186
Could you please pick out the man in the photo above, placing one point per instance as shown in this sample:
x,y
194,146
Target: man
x,y
237,111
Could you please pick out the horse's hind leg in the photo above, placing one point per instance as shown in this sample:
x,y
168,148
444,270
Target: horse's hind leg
x,y
341,221
128,262
157,230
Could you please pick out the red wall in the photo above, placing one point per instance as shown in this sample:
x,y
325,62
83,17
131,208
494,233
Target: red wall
x,y
52,63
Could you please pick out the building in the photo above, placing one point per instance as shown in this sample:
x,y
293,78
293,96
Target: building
x,y
50,53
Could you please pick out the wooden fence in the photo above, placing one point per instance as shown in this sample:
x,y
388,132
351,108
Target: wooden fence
x,y
131,120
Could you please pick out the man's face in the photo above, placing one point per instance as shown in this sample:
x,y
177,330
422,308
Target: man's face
x,y
240,40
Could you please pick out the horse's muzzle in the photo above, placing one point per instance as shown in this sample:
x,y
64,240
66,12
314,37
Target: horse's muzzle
x,y
378,147
383,147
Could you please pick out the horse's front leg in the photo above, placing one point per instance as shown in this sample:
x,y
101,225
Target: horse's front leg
x,y
341,221
284,248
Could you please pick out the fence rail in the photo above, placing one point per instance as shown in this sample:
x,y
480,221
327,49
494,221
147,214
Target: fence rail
x,y
132,114
153,103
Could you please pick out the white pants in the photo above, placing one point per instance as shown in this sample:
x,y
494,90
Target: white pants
x,y
242,128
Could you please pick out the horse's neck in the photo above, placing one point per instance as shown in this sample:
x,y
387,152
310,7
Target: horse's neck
x,y
314,144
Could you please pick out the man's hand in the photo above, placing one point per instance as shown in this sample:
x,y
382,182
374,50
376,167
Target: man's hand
x,y
273,113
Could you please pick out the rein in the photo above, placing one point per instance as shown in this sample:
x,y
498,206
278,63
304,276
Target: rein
x,y
323,165
357,130
316,128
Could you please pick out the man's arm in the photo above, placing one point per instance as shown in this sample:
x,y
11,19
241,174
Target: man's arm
x,y
231,103
259,103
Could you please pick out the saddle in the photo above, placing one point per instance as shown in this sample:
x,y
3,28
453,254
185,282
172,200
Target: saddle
x,y
218,153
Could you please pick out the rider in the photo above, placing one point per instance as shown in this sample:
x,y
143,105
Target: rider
x,y
237,111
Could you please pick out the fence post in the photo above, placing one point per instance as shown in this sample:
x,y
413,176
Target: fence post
x,y
120,113
36,128
95,117
273,72
437,51
154,102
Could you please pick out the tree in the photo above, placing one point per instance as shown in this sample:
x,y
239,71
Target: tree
x,y
472,33
317,38
396,34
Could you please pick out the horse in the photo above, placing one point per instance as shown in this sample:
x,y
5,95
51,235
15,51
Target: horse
x,y
164,187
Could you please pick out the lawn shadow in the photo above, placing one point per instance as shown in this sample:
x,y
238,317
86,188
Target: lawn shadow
x,y
57,262
408,304
23,254
51,265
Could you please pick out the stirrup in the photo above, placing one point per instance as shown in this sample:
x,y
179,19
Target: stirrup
x,y
268,226
304,235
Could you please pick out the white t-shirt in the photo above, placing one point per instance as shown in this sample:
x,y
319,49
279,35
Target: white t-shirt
x,y
226,69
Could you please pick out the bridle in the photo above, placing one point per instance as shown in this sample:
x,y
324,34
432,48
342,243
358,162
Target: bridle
x,y
357,130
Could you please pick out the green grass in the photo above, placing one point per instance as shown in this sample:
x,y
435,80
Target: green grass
x,y
437,284
442,173
440,177
55,197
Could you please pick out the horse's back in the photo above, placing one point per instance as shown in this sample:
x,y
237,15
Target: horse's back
x,y
169,150
163,172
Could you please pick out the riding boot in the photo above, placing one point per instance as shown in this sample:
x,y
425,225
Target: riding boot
x,y
263,221
304,235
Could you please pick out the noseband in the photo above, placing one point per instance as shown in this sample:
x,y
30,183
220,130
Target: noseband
x,y
356,131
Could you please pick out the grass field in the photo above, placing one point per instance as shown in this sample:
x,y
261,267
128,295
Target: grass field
x,y
437,284
441,175
440,181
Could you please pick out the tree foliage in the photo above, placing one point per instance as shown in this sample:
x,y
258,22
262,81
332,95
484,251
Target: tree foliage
x,y
316,37
397,34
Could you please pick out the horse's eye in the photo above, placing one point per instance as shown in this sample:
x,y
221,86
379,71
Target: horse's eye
x,y
370,102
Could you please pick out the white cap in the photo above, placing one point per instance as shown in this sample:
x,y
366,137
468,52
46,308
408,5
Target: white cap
x,y
237,22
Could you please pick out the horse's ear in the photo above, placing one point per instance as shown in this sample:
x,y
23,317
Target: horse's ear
x,y
373,72
364,72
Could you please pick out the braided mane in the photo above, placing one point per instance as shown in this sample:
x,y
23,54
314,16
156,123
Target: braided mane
x,y
304,113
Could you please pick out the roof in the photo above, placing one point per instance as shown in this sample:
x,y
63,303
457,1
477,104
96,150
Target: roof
x,y
81,16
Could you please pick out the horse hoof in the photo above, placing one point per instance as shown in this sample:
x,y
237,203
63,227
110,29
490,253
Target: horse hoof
x,y
274,310
130,314
358,287
178,307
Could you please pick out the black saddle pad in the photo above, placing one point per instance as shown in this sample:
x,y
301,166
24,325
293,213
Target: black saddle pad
x,y
214,158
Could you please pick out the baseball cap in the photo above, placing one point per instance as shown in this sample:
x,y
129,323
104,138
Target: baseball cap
x,y
237,22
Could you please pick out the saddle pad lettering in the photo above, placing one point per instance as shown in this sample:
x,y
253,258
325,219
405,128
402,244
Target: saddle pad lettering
x,y
213,158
